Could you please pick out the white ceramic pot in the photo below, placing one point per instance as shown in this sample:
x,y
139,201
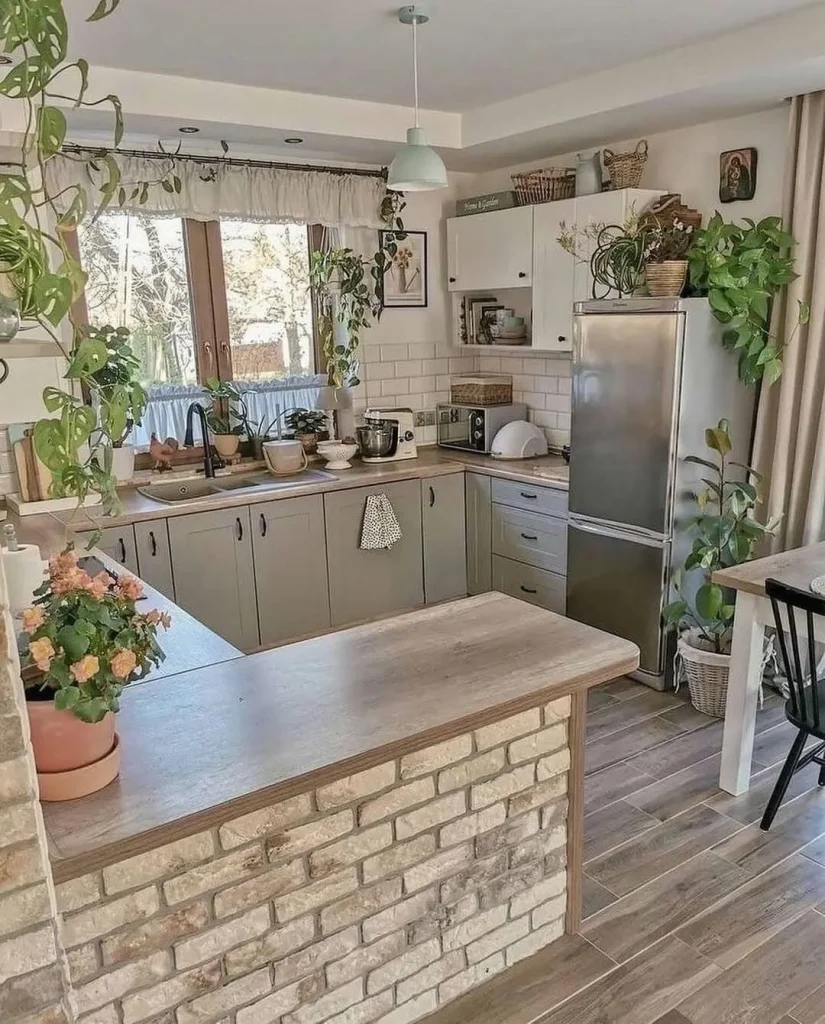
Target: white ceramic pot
x,y
123,463
284,457
226,444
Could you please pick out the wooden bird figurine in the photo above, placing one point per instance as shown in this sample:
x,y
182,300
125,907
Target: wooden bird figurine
x,y
162,452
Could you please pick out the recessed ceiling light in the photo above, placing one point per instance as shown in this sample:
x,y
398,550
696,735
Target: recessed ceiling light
x,y
188,129
4,59
294,140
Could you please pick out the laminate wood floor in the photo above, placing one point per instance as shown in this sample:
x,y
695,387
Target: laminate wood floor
x,y
692,914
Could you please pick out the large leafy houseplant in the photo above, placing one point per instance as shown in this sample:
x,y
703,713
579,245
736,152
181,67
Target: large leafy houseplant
x,y
741,267
617,261
725,534
36,261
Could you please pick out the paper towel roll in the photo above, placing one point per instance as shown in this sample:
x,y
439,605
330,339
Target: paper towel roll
x,y
24,571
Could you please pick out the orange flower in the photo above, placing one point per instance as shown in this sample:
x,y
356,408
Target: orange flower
x,y
84,669
62,563
165,620
123,663
130,588
99,586
73,579
152,617
42,652
33,618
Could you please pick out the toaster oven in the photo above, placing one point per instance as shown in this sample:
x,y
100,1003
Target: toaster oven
x,y
473,427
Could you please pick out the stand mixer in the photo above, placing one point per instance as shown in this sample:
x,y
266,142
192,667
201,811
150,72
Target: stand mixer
x,y
387,435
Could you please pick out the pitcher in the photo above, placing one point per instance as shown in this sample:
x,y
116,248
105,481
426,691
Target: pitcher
x,y
588,174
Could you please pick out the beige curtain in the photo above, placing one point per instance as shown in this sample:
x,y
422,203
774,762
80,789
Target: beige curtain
x,y
789,447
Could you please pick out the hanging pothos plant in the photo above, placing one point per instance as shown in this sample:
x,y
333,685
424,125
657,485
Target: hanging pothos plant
x,y
348,291
36,264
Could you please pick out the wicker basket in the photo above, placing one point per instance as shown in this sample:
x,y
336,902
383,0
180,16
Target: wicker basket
x,y
625,169
707,676
544,185
667,278
480,390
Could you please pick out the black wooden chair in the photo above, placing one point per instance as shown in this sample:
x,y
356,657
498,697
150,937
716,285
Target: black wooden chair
x,y
805,707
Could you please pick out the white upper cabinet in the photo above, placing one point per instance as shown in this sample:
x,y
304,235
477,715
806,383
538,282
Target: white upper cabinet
x,y
553,273
490,250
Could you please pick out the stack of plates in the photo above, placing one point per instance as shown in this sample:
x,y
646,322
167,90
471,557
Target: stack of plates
x,y
511,336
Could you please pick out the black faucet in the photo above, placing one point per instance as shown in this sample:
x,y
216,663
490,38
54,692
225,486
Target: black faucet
x,y
210,461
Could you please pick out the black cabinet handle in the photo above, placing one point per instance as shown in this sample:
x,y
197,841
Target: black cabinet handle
x,y
239,524
529,536
121,543
153,543
522,273
562,338
532,497
432,497
263,525
452,280
527,590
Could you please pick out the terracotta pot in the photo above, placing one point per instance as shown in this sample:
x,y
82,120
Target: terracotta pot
x,y
309,441
56,786
227,444
62,742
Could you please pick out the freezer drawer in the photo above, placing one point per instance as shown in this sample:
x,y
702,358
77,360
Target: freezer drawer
x,y
546,589
616,583
529,537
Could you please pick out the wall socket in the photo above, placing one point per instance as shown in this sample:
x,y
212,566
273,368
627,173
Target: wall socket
x,y
425,418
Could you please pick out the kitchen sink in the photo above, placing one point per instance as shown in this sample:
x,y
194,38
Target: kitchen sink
x,y
175,492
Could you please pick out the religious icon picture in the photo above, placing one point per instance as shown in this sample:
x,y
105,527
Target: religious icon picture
x,y
737,175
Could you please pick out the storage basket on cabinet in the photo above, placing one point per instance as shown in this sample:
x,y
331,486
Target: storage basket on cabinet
x,y
544,185
480,390
625,169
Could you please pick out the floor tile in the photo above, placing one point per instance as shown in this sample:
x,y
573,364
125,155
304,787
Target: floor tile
x,y
768,982
641,991
815,851
624,688
811,1010
687,718
597,699
750,806
660,849
612,825
758,910
602,788
628,712
795,825
527,990
627,742
771,747
680,753
634,922
674,1017
679,792
594,896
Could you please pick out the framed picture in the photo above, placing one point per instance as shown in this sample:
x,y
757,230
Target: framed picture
x,y
405,283
737,175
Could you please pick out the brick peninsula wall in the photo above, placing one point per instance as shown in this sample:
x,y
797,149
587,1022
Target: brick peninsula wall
x,y
378,897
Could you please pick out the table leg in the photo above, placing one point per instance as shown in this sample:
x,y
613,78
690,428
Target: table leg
x,y
743,692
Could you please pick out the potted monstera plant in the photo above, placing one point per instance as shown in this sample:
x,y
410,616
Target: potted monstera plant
x,y
725,534
86,640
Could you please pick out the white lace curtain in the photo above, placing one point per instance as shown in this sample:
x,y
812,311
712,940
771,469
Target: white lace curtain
x,y
226,191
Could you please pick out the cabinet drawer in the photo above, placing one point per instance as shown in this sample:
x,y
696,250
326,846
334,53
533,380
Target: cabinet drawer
x,y
537,586
529,537
548,500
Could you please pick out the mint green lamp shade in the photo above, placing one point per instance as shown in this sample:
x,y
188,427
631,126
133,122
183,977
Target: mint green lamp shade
x,y
417,167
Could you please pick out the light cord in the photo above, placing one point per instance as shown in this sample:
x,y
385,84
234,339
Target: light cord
x,y
415,65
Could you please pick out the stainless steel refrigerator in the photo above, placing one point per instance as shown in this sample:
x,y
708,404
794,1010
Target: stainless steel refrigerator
x,y
649,375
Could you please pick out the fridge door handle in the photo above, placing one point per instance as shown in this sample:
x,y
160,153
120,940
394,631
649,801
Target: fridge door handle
x,y
631,536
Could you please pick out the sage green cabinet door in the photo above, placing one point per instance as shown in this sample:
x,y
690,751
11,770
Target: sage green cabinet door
x,y
153,556
445,549
214,574
289,547
479,533
118,542
365,584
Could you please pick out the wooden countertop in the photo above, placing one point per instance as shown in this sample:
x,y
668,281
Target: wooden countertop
x,y
796,568
206,746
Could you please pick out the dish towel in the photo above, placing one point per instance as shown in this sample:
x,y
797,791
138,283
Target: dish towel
x,y
380,529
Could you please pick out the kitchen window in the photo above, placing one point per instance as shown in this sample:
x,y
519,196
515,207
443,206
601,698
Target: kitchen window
x,y
228,299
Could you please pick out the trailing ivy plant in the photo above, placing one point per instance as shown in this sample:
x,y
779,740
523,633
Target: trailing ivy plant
x,y
348,290
741,267
36,263
725,534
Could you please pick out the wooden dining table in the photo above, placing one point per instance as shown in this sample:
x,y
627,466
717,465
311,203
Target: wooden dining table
x,y
797,568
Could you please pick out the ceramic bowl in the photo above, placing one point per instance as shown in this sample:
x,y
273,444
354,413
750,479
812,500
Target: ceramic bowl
x,y
337,454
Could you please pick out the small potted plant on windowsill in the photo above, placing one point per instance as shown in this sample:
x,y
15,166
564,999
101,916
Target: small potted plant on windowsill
x,y
86,641
226,417
307,426
726,535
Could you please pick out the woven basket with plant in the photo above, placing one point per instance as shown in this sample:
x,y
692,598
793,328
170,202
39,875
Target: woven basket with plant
x,y
667,243
725,534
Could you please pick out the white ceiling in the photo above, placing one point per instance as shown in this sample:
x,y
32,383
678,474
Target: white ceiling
x,y
472,53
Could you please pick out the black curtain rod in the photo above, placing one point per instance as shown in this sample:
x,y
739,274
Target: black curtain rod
x,y
211,160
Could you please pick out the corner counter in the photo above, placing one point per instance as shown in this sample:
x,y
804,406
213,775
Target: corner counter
x,y
374,819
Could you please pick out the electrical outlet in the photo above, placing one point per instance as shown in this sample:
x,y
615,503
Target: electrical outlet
x,y
429,418
420,419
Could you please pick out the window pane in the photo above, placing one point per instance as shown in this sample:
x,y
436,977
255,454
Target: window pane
x,y
138,279
268,300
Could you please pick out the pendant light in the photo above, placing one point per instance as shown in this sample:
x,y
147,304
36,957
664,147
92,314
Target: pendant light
x,y
417,167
